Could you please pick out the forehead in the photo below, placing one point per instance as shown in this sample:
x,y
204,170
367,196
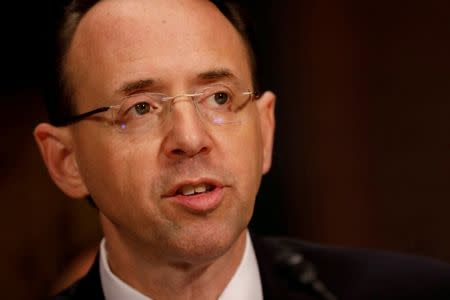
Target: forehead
x,y
126,40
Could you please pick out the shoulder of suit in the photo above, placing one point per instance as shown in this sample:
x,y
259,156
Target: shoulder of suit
x,y
67,293
365,273
348,254
88,287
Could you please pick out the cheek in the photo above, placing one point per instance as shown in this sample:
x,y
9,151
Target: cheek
x,y
116,170
244,148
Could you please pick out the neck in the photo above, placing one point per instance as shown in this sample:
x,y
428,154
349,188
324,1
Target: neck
x,y
160,277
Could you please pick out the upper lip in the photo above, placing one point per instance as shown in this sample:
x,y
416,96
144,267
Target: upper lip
x,y
210,181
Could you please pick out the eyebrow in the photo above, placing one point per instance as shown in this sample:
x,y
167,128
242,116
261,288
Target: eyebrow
x,y
133,86
217,74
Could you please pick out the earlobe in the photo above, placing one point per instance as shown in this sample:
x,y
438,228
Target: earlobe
x,y
55,145
266,107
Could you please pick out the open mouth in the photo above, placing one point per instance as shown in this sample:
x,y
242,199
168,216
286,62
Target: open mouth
x,y
198,197
190,190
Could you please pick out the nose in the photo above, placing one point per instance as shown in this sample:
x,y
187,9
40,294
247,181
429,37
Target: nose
x,y
186,135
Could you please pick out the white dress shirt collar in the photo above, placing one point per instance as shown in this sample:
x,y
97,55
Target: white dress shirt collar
x,y
245,283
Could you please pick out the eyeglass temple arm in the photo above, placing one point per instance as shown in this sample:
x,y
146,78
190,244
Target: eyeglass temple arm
x,y
253,96
77,118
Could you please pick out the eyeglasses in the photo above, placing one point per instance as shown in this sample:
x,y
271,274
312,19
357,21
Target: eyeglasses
x,y
218,103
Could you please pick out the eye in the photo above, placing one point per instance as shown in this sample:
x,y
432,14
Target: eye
x,y
139,110
220,98
138,107
142,108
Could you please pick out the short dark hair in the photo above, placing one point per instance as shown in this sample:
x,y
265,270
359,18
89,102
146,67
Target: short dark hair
x,y
59,102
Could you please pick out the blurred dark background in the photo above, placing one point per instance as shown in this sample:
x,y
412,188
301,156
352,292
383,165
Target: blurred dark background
x,y
362,143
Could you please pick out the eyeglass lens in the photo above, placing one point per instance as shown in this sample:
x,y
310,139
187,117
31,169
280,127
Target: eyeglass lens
x,y
219,104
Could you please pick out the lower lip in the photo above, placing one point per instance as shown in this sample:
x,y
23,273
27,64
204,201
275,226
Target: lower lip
x,y
201,203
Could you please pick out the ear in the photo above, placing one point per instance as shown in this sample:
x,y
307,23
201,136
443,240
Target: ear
x,y
55,144
266,108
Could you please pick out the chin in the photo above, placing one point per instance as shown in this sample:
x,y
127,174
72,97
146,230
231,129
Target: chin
x,y
202,245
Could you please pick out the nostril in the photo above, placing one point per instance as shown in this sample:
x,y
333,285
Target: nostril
x,y
178,152
181,152
204,150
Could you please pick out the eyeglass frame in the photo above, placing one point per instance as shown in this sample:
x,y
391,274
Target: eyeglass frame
x,y
253,96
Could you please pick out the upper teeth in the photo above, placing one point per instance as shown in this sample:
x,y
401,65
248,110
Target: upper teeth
x,y
188,190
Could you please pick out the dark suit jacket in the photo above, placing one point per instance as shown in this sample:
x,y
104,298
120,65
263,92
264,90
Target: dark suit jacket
x,y
348,273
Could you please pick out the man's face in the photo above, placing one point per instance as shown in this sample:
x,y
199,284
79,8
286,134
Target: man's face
x,y
135,179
